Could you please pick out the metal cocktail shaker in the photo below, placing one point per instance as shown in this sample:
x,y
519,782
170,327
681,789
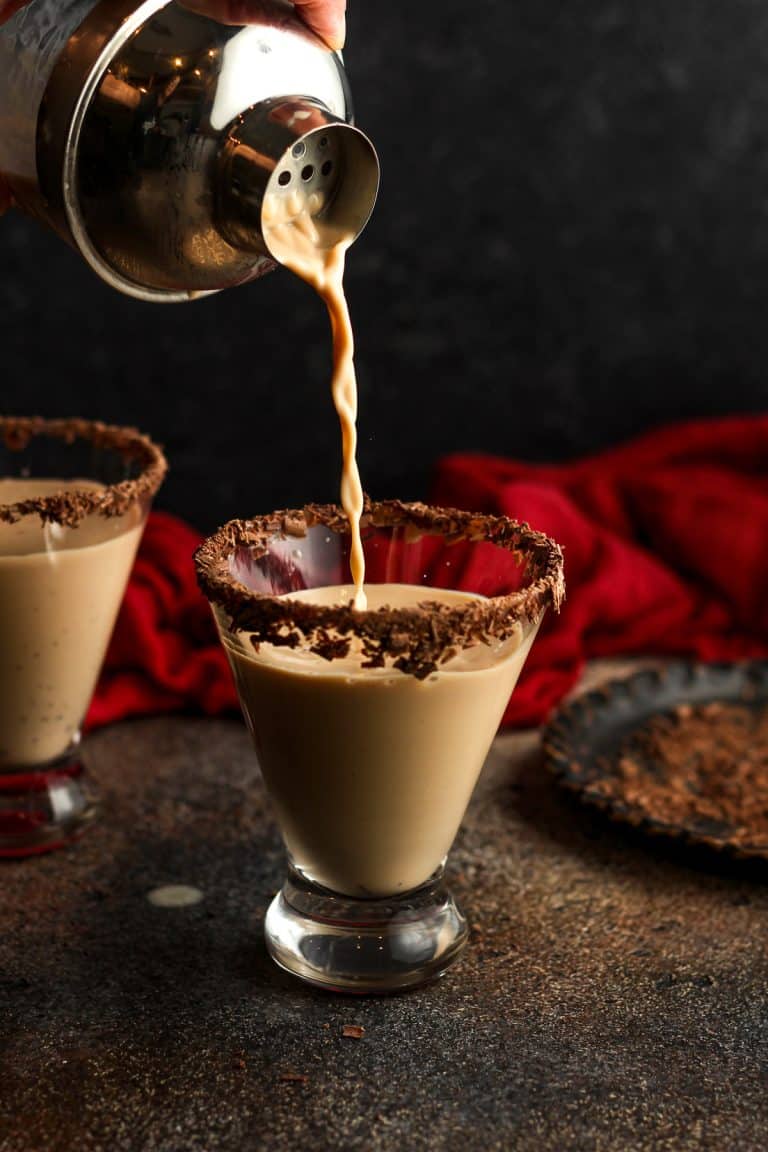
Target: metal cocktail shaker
x,y
148,137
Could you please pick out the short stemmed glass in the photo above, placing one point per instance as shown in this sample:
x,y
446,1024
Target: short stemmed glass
x,y
371,727
74,497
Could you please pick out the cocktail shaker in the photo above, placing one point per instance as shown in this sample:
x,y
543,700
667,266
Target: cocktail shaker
x,y
148,136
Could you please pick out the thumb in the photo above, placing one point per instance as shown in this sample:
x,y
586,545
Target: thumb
x,y
326,17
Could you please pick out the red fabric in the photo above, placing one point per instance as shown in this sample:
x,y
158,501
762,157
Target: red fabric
x,y
666,547
164,655
665,542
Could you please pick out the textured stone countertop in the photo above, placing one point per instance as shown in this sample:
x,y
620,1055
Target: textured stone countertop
x,y
613,995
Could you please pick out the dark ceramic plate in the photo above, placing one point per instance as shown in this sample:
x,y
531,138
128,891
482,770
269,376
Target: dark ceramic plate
x,y
583,740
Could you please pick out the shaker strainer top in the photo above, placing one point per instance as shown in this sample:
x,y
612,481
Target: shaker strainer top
x,y
295,154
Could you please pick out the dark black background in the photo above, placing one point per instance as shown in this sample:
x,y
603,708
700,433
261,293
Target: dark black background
x,y
570,245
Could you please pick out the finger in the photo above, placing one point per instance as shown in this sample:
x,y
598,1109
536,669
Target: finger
x,y
326,17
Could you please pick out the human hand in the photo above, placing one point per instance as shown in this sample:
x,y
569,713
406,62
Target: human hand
x,y
326,17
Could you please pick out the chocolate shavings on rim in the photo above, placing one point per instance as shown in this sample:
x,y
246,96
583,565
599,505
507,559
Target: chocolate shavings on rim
x,y
416,639
70,506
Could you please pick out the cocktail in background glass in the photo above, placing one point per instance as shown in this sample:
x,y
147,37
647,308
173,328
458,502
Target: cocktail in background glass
x,y
371,727
74,497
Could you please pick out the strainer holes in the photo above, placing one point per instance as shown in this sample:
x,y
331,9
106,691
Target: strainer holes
x,y
298,150
283,179
323,141
307,172
327,168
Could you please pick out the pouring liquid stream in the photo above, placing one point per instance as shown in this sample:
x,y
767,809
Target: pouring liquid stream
x,y
293,235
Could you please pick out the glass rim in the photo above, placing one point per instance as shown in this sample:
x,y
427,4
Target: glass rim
x,y
416,638
72,504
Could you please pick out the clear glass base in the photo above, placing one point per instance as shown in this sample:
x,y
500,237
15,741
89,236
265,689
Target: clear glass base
x,y
364,946
45,807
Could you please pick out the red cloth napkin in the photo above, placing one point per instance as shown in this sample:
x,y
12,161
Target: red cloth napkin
x,y
665,542
666,547
164,655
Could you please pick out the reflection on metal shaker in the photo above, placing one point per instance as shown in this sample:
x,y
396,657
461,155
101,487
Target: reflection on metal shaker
x,y
148,137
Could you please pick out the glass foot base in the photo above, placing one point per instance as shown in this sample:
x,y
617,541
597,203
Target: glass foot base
x,y
364,946
44,808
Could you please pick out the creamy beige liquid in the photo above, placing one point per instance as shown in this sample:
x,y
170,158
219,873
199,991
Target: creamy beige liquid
x,y
292,234
370,771
60,591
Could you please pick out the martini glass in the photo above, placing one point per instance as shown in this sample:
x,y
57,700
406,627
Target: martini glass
x,y
74,497
371,727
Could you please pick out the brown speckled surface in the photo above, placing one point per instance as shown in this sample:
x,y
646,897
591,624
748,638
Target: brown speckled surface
x,y
613,995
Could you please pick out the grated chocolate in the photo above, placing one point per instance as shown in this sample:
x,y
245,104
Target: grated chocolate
x,y
415,640
70,506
